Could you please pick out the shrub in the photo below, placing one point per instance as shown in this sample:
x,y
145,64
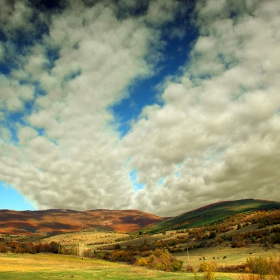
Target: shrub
x,y
212,235
208,269
161,260
264,266
238,244
142,262
53,247
122,256
233,268
31,248
3,248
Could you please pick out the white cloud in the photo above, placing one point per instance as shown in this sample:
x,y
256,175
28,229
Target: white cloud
x,y
14,95
2,52
25,134
16,17
79,162
215,120
214,138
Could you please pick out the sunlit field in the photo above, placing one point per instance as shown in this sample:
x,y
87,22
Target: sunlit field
x,y
86,237
49,266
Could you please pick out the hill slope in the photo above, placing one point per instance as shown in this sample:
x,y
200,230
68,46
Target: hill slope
x,y
211,214
62,220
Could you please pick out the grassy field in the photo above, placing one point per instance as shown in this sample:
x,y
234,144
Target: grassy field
x,y
49,266
210,214
86,237
234,256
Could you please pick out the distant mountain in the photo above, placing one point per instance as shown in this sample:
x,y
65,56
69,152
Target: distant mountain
x,y
55,221
211,214
63,220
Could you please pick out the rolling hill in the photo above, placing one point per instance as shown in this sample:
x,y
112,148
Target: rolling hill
x,y
211,214
63,220
54,221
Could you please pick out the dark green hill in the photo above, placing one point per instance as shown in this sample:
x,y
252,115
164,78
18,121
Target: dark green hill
x,y
211,214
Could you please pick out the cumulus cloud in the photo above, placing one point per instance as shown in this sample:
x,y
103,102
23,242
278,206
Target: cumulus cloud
x,y
214,137
215,129
14,95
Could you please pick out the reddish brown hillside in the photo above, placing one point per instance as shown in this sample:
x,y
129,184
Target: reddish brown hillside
x,y
61,220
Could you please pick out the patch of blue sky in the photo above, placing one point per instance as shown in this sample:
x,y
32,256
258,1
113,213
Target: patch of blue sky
x,y
52,55
160,181
4,69
127,161
178,172
39,90
216,155
72,75
228,62
133,178
10,122
13,120
10,197
144,92
19,45
242,91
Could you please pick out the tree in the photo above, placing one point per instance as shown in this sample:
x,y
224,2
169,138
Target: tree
x,y
3,248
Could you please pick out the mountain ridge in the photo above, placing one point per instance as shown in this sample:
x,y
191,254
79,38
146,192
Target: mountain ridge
x,y
54,221
211,213
66,220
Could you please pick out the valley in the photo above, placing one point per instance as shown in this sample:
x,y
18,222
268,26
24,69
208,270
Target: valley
x,y
230,234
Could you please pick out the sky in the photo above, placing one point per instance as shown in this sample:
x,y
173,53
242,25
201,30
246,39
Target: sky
x,y
158,105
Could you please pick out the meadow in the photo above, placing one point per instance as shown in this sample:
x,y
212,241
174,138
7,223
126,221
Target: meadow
x,y
240,244
89,238
234,256
51,266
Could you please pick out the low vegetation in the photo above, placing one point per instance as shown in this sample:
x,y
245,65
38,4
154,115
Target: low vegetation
x,y
57,267
246,244
31,248
161,260
211,214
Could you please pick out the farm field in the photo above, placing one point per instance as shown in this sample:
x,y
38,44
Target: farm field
x,y
86,237
234,256
50,266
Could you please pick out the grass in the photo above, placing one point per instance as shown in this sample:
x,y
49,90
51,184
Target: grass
x,y
210,214
85,237
234,255
54,267
49,266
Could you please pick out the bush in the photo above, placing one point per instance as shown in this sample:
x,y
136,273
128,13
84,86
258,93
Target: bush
x,y
54,247
161,260
122,256
264,266
142,262
208,269
212,235
3,248
233,268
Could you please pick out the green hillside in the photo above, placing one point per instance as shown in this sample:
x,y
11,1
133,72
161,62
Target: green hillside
x,y
211,214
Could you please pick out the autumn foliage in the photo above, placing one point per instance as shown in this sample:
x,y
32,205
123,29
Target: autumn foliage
x,y
31,248
161,260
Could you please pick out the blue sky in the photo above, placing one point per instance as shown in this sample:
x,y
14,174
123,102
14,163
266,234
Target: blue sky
x,y
12,199
157,105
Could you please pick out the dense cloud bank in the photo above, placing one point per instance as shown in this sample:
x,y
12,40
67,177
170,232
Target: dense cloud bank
x,y
214,134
